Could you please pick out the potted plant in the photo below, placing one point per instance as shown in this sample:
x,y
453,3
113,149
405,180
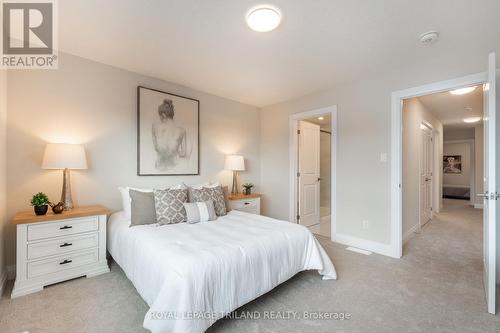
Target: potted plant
x,y
247,188
40,203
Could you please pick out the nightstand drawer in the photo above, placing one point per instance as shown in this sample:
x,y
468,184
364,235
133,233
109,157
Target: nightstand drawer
x,y
60,263
62,245
62,228
247,203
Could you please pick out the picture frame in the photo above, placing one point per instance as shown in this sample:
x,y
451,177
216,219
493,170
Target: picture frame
x,y
452,164
168,134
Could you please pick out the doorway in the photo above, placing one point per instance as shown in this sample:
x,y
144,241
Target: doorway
x,y
486,81
312,170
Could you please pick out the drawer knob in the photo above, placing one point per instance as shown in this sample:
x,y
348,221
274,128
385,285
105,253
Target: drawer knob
x,y
247,203
66,261
65,244
66,227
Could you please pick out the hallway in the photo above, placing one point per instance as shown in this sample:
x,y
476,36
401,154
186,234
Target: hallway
x,y
449,252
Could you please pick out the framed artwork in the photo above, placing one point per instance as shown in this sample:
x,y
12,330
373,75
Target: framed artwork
x,y
452,164
167,134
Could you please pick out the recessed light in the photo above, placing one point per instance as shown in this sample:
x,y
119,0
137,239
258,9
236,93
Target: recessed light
x,y
472,120
263,18
462,91
321,118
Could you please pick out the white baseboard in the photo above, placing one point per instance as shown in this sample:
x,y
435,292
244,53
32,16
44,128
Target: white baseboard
x,y
479,206
376,247
410,233
11,272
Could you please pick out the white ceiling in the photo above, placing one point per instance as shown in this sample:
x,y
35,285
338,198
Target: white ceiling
x,y
325,123
207,46
452,109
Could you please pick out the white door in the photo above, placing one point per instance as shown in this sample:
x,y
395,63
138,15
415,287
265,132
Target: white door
x,y
308,173
490,193
426,163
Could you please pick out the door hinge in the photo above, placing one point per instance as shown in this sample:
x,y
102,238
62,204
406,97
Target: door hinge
x,y
298,217
298,131
298,174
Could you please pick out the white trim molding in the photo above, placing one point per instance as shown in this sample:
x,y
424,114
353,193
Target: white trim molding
x,y
397,98
363,244
294,118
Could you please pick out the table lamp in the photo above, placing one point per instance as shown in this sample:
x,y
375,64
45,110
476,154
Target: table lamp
x,y
235,163
65,156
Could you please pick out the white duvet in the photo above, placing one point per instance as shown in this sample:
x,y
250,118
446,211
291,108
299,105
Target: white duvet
x,y
193,274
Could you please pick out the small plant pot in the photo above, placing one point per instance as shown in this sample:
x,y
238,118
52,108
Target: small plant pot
x,y
41,210
247,191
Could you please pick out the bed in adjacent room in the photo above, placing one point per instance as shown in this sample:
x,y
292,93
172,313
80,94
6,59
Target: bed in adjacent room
x,y
191,275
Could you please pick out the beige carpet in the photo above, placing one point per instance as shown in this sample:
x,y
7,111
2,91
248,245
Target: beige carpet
x,y
435,287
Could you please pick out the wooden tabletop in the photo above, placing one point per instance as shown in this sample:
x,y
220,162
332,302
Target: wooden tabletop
x,y
83,211
240,196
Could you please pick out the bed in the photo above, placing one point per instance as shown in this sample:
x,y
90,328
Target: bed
x,y
191,275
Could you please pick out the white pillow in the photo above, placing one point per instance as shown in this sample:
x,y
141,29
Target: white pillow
x,y
127,202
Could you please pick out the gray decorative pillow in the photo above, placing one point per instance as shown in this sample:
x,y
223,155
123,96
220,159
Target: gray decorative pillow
x,y
200,211
143,209
169,205
216,194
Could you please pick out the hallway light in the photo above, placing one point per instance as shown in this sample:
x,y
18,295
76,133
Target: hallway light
x,y
462,91
472,120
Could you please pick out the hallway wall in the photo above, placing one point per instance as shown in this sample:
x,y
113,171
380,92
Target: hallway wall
x,y
414,113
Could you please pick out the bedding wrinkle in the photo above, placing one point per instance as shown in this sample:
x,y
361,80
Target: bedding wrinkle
x,y
198,273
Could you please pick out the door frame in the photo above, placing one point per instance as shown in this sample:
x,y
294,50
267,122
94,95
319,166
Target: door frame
x,y
293,148
433,167
396,146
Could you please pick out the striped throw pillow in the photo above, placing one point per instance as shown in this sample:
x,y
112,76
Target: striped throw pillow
x,y
200,211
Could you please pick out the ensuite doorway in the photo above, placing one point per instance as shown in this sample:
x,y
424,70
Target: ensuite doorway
x,y
312,148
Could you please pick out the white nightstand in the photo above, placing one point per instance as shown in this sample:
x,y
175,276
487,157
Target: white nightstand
x,y
58,247
245,203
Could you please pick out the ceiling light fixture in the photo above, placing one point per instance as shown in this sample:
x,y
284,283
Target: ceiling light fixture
x,y
472,120
321,118
462,91
263,18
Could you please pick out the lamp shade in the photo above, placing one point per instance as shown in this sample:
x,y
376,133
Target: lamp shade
x,y
64,156
235,163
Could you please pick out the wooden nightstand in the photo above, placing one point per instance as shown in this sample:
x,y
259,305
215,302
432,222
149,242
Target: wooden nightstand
x,y
245,203
58,247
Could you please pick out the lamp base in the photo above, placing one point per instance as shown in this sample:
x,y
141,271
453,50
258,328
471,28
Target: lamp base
x,y
234,190
66,198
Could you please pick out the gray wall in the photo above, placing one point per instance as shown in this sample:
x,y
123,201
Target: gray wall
x,y
364,132
414,113
95,104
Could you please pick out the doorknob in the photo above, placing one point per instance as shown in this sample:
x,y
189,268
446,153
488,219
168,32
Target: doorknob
x,y
484,195
319,179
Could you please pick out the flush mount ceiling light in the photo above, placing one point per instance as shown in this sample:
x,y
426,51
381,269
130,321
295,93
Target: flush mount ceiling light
x,y
472,120
429,37
263,18
462,91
